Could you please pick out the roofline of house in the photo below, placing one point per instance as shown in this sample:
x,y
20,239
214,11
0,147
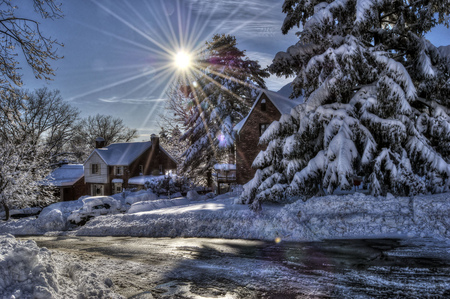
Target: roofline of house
x,y
96,151
253,106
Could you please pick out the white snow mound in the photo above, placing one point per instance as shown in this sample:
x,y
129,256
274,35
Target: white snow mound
x,y
140,196
27,271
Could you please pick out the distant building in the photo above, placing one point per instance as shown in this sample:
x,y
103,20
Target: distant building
x,y
268,107
68,180
108,169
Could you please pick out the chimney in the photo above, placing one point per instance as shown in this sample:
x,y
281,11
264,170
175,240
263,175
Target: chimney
x,y
99,142
155,141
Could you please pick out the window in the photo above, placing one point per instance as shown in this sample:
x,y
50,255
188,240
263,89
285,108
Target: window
x,y
263,128
119,170
95,168
141,169
97,190
263,105
117,188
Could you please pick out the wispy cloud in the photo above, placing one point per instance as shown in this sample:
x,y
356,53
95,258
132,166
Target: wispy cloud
x,y
264,59
143,100
273,82
243,17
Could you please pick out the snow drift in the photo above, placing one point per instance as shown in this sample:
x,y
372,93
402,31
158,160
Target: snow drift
x,y
27,271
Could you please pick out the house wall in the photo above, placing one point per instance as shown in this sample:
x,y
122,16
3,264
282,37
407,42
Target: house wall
x,y
247,147
79,189
101,178
151,160
73,192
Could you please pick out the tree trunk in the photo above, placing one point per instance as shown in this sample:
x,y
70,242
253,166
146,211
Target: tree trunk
x,y
6,211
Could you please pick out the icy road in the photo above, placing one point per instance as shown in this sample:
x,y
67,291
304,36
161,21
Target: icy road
x,y
220,268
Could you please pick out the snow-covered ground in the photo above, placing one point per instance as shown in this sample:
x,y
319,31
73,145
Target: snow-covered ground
x,y
27,271
344,216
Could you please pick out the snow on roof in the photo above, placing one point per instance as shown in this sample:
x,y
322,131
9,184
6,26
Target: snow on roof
x,y
66,175
142,179
280,99
117,181
122,153
225,167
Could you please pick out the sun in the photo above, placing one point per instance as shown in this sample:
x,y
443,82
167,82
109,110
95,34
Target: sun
x,y
182,60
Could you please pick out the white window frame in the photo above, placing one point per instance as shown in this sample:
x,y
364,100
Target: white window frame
x,y
119,170
262,128
95,168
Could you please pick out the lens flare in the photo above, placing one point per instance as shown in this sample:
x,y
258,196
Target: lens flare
x,y
182,60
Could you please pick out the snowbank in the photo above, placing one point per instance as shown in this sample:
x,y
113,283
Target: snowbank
x,y
27,271
348,216
345,216
140,196
150,205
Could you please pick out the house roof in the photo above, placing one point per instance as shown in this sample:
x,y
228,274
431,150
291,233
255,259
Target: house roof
x,y
122,153
66,175
118,154
280,100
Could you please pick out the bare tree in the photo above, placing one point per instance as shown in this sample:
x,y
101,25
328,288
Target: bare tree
x,y
50,120
112,129
44,116
23,37
24,162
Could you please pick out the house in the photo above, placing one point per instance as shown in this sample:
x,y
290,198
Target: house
x,y
268,107
108,169
68,181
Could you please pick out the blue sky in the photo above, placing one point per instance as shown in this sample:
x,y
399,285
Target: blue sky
x,y
117,53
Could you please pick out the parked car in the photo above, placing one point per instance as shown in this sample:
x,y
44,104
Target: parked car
x,y
95,206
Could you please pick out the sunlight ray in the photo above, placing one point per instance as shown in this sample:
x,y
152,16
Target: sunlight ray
x,y
117,83
151,112
171,35
129,41
128,24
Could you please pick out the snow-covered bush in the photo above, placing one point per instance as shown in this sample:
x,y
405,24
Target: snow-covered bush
x,y
192,195
52,221
379,114
168,184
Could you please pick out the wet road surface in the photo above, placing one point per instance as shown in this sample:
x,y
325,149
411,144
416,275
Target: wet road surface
x,y
220,268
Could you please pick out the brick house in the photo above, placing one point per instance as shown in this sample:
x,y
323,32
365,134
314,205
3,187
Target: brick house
x,y
268,107
108,169
68,181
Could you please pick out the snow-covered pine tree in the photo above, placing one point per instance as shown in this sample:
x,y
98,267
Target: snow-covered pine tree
x,y
170,140
221,96
376,102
